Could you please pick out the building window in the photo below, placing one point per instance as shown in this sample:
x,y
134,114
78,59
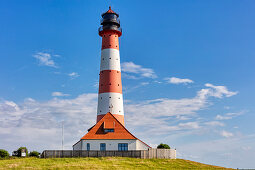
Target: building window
x,y
88,146
122,146
102,146
108,130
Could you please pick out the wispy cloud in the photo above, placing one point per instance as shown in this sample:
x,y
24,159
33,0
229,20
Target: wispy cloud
x,y
175,80
130,67
214,123
226,134
156,113
59,94
228,116
73,75
45,59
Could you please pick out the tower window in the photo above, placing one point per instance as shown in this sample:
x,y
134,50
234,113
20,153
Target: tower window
x,y
101,98
118,84
110,97
110,58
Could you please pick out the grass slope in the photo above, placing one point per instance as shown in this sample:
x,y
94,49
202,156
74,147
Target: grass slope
x,y
101,163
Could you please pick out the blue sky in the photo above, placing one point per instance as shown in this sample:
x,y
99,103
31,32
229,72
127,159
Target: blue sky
x,y
187,66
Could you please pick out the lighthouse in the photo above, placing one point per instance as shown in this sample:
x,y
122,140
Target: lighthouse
x,y
110,98
109,133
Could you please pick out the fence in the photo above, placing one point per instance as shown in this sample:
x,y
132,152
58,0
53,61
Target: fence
x,y
151,153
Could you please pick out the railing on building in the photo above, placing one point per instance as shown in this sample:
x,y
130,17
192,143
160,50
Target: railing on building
x,y
109,28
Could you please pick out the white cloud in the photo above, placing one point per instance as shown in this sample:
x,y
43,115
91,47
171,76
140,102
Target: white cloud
x,y
219,117
73,75
220,91
226,134
58,94
130,67
216,91
189,125
34,122
175,80
214,123
45,59
228,116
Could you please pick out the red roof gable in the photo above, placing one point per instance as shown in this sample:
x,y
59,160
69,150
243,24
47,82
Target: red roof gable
x,y
108,121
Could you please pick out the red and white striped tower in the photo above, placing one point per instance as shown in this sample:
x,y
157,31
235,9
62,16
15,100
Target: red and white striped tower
x,y
110,97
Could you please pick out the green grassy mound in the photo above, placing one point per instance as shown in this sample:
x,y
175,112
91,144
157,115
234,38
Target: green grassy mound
x,y
101,163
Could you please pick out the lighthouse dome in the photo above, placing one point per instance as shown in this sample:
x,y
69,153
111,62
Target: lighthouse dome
x,y
110,21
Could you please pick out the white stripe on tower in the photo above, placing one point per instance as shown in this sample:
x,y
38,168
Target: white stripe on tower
x,y
110,59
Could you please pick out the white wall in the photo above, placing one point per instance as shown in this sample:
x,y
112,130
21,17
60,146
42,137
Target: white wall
x,y
77,146
173,153
133,144
110,144
141,146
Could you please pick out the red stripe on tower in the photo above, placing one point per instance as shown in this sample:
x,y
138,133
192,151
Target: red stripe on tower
x,y
110,97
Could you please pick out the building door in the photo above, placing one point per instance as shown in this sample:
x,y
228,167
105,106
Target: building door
x,y
102,147
88,146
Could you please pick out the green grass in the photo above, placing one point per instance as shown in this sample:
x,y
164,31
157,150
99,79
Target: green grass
x,y
101,163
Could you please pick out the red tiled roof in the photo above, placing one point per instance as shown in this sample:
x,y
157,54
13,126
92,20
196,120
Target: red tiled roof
x,y
109,124
108,121
120,132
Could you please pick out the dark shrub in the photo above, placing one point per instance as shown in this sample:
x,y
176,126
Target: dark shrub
x,y
34,153
4,153
163,146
